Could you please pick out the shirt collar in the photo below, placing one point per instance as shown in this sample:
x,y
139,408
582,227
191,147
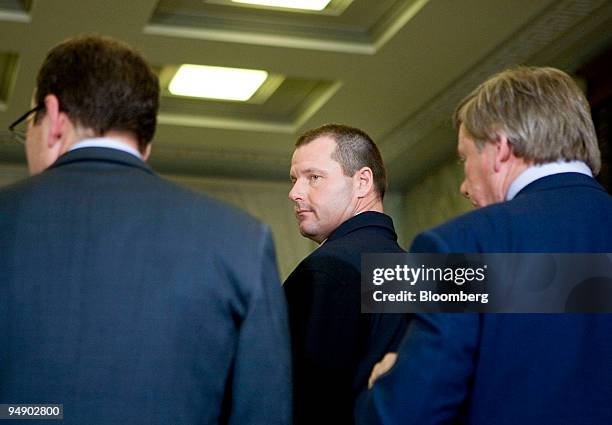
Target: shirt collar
x,y
105,142
536,172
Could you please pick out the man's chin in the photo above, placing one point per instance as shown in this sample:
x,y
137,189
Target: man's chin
x,y
307,233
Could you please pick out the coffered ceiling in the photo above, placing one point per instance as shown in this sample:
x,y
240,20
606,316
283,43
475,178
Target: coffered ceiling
x,y
395,68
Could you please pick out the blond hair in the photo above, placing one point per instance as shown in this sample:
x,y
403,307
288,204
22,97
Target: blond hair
x,y
541,111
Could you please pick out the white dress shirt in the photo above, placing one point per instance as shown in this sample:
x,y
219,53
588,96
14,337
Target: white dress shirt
x,y
105,142
536,172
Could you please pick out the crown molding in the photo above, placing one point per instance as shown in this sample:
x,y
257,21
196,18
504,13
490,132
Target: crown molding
x,y
365,42
15,16
310,107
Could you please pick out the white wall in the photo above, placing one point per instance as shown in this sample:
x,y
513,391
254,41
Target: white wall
x,y
434,200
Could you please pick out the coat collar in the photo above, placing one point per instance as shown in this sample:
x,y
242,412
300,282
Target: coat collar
x,y
365,219
101,155
561,180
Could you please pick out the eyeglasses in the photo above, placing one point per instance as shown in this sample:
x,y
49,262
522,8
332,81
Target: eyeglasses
x,y
19,128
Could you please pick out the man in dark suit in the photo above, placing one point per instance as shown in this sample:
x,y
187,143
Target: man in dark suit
x,y
124,297
338,186
529,151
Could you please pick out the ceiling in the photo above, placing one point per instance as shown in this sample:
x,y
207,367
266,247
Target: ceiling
x,y
395,68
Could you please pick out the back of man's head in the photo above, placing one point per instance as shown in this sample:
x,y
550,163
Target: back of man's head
x,y
541,111
354,150
102,85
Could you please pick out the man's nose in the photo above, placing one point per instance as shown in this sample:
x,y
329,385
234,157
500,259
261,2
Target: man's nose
x,y
296,193
464,190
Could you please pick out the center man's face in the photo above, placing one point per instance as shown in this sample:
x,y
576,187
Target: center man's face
x,y
478,167
323,196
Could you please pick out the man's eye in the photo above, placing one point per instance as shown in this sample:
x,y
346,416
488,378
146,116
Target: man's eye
x,y
314,178
461,160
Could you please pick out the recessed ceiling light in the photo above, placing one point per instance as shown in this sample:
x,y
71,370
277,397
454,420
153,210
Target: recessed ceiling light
x,y
215,82
289,4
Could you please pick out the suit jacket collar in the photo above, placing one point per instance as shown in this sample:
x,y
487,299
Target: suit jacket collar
x,y
101,155
559,181
365,219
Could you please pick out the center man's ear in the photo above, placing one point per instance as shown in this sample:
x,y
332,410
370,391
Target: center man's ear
x,y
147,152
365,181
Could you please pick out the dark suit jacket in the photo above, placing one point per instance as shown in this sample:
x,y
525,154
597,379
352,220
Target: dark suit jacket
x,y
132,300
334,345
483,369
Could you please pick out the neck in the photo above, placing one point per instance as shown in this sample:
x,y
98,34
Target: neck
x,y
516,168
368,203
80,135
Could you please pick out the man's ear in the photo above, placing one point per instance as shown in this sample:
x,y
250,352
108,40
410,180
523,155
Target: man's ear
x,y
57,122
365,181
503,151
147,152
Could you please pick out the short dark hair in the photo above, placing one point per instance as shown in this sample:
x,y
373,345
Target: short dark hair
x,y
354,150
102,84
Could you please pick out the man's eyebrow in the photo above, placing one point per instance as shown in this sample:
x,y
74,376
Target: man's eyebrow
x,y
310,170
314,170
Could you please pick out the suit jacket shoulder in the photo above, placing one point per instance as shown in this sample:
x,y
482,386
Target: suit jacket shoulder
x,y
334,345
120,270
480,369
569,212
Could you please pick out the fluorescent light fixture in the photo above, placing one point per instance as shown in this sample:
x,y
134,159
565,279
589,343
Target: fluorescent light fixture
x,y
289,4
215,82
